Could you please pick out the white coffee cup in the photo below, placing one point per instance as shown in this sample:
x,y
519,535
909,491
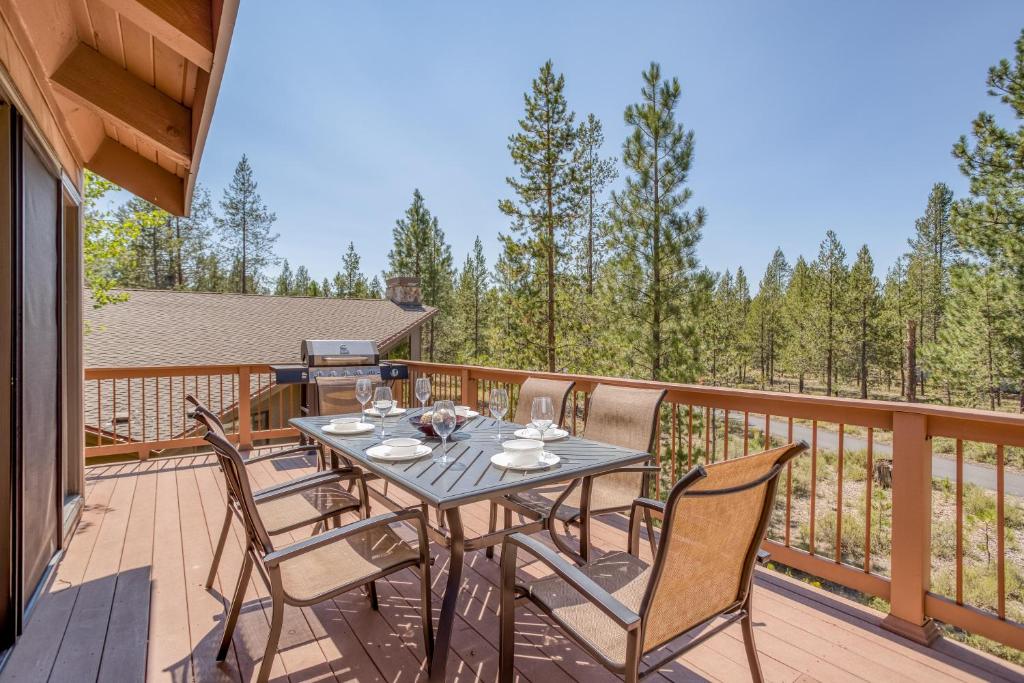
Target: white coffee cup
x,y
523,452
402,446
462,411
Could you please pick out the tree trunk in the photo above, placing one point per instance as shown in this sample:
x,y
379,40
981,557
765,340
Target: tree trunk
x,y
864,355
912,360
179,270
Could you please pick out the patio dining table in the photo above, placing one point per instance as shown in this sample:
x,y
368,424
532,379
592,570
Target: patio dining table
x,y
469,477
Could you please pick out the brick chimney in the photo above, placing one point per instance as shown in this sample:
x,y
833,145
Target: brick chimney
x,y
404,291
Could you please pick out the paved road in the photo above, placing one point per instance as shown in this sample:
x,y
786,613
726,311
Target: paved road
x,y
942,467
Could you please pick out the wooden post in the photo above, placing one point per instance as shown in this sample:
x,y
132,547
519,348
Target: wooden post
x,y
469,392
911,528
244,409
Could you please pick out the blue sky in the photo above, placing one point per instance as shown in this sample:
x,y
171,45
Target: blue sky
x,y
808,115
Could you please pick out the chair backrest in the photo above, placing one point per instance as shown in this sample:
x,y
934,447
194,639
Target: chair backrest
x,y
623,416
205,415
238,480
557,390
715,520
335,395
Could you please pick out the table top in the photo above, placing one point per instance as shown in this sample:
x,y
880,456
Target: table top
x,y
469,476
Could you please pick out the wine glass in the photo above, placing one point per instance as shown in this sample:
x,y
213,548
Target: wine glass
x,y
542,414
443,421
383,402
423,391
498,404
364,391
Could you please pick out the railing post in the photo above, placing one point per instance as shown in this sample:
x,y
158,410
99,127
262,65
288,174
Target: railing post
x,y
911,528
469,392
244,409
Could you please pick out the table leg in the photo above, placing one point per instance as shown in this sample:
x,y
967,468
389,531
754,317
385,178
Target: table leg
x,y
446,622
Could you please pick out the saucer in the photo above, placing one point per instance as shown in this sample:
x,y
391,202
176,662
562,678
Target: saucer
x,y
546,460
392,413
384,453
552,434
364,428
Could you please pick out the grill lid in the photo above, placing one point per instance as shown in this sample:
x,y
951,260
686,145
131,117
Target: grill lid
x,y
339,352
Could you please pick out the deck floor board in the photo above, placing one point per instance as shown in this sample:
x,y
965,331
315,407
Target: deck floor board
x,y
128,602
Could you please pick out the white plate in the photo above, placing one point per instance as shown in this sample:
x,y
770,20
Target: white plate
x,y
394,412
546,460
384,453
552,434
470,414
364,428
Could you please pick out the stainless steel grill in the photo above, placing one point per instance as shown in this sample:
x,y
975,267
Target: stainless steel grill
x,y
345,360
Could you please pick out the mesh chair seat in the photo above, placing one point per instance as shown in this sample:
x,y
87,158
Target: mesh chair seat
x,y
345,562
305,507
623,575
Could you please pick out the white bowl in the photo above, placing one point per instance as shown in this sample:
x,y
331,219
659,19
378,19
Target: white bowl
x,y
523,452
402,446
346,424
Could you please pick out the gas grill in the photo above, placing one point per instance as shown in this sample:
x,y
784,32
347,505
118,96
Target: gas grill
x,y
345,359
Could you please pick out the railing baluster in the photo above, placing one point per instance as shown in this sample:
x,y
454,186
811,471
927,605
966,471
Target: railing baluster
x,y
158,420
959,522
725,436
767,431
130,409
99,404
839,498
674,450
868,498
708,455
689,439
1000,531
144,430
746,432
814,482
789,487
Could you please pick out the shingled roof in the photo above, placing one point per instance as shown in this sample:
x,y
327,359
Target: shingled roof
x,y
156,328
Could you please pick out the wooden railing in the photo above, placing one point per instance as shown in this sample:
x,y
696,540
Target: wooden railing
x,y
858,509
137,411
861,509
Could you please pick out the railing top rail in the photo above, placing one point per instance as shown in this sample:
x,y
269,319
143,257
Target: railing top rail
x,y
171,370
850,410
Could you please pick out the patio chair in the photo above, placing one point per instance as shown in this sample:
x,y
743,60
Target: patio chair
x,y
318,568
313,499
622,610
621,416
558,391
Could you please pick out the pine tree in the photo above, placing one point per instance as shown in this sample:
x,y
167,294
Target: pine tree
x,y
800,350
471,313
863,301
892,323
971,355
831,277
547,192
421,250
300,285
990,222
349,282
191,240
376,289
325,288
596,173
245,228
933,251
740,329
148,261
654,239
285,283
766,312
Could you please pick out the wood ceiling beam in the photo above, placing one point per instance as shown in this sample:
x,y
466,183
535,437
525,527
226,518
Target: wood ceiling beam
x,y
186,26
138,175
92,80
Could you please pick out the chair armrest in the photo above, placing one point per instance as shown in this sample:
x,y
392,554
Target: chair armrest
x,y
583,584
299,485
763,556
321,476
655,506
277,454
320,540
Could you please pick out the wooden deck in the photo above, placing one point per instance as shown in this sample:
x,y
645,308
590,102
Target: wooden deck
x,y
128,604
